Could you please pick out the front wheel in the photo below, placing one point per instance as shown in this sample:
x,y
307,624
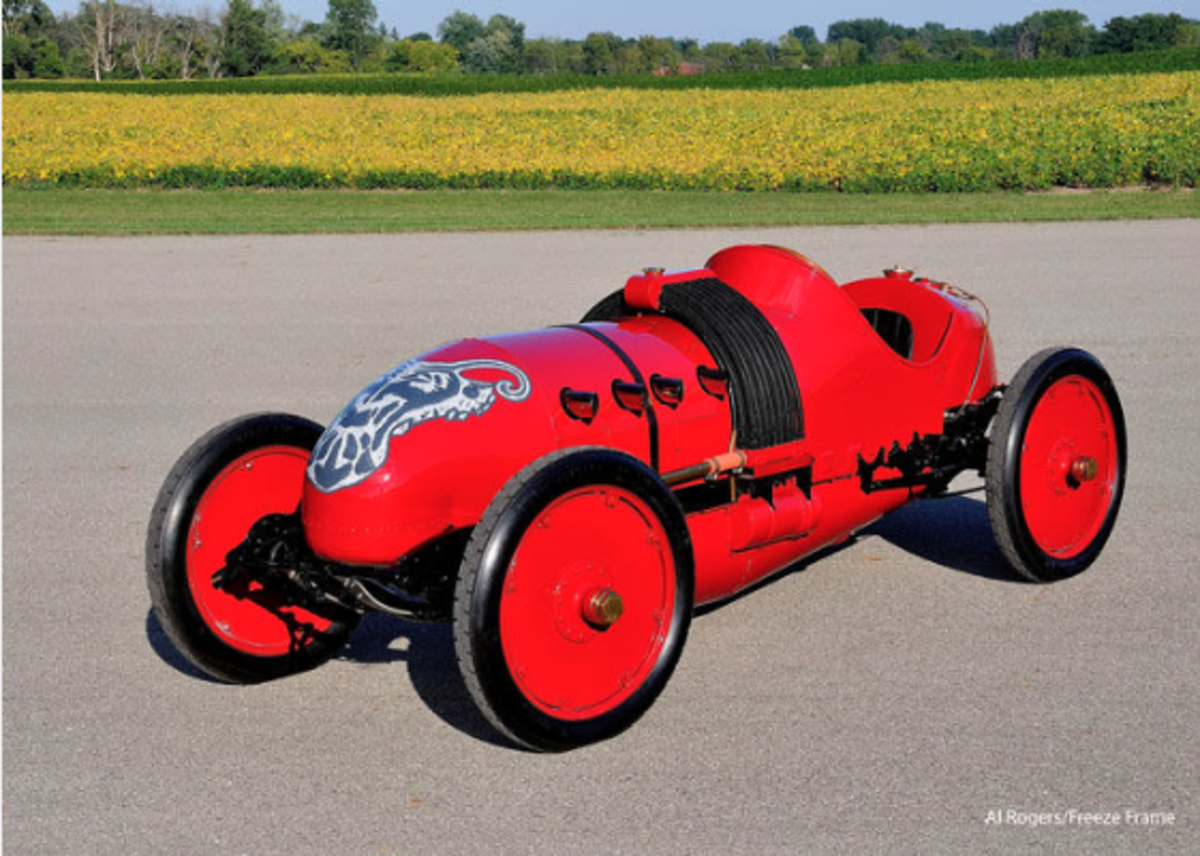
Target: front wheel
x,y
229,479
574,599
1056,465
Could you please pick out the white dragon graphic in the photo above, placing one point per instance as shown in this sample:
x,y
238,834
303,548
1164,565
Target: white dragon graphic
x,y
356,443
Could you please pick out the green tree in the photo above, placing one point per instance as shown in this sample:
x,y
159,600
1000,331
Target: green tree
x,y
247,43
511,27
399,56
887,51
308,56
658,53
791,52
912,50
459,29
1003,38
30,48
974,53
629,60
848,52
720,56
310,30
189,41
571,57
1118,36
492,53
599,53
18,57
868,33
279,27
543,56
1142,33
947,44
499,50
350,27
428,55
753,55
1056,33
27,18
804,34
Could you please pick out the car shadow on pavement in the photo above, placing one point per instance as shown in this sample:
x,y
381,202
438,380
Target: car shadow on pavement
x,y
954,533
428,649
162,645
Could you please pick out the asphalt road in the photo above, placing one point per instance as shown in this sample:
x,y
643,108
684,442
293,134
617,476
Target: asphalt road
x,y
883,698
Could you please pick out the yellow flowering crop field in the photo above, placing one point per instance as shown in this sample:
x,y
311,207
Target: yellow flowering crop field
x,y
1106,131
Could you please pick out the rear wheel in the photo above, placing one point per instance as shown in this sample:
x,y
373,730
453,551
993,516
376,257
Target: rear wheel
x,y
574,599
228,480
1056,465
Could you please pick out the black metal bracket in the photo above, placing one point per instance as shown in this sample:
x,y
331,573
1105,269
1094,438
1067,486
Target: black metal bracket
x,y
275,562
932,461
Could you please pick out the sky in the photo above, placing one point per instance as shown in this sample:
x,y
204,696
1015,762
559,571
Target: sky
x,y
705,20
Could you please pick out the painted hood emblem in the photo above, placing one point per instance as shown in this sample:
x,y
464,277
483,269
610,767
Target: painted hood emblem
x,y
356,443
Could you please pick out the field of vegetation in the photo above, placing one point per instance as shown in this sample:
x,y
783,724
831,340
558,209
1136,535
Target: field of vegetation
x,y
953,135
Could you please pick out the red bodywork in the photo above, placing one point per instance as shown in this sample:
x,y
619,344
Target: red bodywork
x,y
859,395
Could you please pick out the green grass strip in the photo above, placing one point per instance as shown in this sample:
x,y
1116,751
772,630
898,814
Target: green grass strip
x,y
237,211
1177,59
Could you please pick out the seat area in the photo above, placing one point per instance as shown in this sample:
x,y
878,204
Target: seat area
x,y
910,317
895,329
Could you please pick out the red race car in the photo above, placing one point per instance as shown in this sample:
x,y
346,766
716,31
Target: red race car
x,y
567,497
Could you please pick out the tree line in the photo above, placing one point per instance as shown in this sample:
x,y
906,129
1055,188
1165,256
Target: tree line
x,y
107,39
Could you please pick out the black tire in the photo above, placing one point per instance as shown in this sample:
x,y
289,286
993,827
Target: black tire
x,y
1011,507
524,505
167,553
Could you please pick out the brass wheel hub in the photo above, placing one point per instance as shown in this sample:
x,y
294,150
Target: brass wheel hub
x,y
603,608
1085,468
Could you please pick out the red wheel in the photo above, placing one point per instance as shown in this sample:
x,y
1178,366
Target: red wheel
x,y
574,600
1056,465
228,480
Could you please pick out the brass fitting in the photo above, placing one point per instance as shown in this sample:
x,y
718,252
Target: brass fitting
x,y
603,608
1085,468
